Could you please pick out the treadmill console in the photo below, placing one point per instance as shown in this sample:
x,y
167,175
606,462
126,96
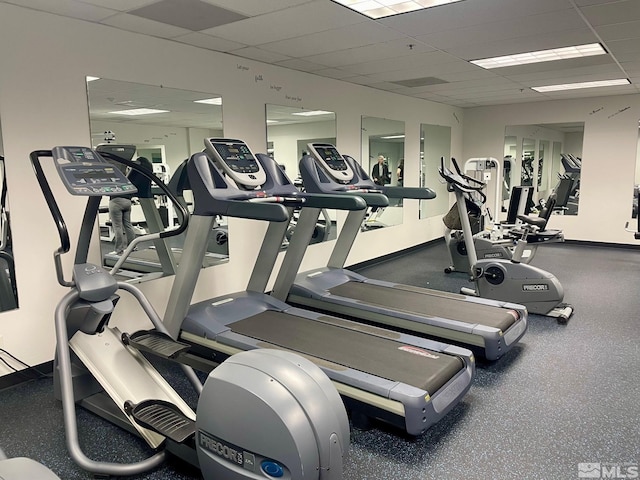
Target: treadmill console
x,y
237,161
332,161
84,172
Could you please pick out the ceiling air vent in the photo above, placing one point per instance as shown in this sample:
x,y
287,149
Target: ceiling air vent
x,y
420,82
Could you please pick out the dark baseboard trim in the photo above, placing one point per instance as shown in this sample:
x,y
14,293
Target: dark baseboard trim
x,y
398,254
588,243
26,375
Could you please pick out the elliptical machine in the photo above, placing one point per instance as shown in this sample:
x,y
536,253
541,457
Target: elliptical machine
x,y
537,289
261,413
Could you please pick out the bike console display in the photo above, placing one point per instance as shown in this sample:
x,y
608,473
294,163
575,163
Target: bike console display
x,y
84,172
237,161
332,161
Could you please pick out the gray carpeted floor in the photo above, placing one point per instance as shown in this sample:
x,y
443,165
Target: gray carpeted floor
x,y
567,394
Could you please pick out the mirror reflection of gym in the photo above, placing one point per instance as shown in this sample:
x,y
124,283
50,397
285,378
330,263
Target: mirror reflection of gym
x,y
8,286
547,157
165,126
634,223
289,131
383,139
435,142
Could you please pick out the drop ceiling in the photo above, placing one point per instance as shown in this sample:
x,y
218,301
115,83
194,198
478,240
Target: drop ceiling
x,y
422,54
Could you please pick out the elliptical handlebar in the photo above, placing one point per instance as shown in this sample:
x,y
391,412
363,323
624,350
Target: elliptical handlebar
x,y
61,226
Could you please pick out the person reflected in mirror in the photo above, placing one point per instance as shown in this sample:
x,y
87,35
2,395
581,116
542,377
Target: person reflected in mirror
x,y
120,215
400,172
380,172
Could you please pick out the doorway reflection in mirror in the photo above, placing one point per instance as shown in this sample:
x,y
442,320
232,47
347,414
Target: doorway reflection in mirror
x,y
435,143
382,154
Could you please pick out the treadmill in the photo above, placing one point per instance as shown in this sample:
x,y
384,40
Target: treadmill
x,y
407,381
488,327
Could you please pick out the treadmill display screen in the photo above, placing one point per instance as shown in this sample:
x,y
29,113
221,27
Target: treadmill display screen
x,y
332,158
237,156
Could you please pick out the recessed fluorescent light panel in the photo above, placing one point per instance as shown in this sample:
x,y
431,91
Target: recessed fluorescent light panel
x,y
139,111
312,113
541,56
387,8
91,79
392,137
574,86
272,121
210,101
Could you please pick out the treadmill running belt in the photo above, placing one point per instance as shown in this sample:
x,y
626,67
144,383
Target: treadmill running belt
x,y
378,356
426,305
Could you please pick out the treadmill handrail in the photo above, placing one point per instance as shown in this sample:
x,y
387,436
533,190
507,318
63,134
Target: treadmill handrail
x,y
418,193
334,201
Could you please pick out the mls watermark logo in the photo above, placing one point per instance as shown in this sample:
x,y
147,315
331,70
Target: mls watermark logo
x,y
607,470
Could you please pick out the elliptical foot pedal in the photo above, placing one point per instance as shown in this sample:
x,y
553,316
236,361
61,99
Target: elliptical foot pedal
x,y
163,418
156,343
563,313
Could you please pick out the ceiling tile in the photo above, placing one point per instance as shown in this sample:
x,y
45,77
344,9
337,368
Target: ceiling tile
x,y
628,57
617,12
619,31
582,3
504,32
336,39
120,5
190,14
424,60
290,23
631,67
68,8
207,41
618,47
299,64
141,25
371,53
259,54
256,7
334,73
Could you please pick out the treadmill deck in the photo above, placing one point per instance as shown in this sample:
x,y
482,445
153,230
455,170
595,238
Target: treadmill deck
x,y
378,356
397,298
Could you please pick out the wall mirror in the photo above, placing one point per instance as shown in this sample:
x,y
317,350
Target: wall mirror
x,y
382,154
549,158
8,286
165,126
634,223
289,131
435,142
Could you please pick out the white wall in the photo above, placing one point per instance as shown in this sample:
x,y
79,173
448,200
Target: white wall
x,y
608,156
43,102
